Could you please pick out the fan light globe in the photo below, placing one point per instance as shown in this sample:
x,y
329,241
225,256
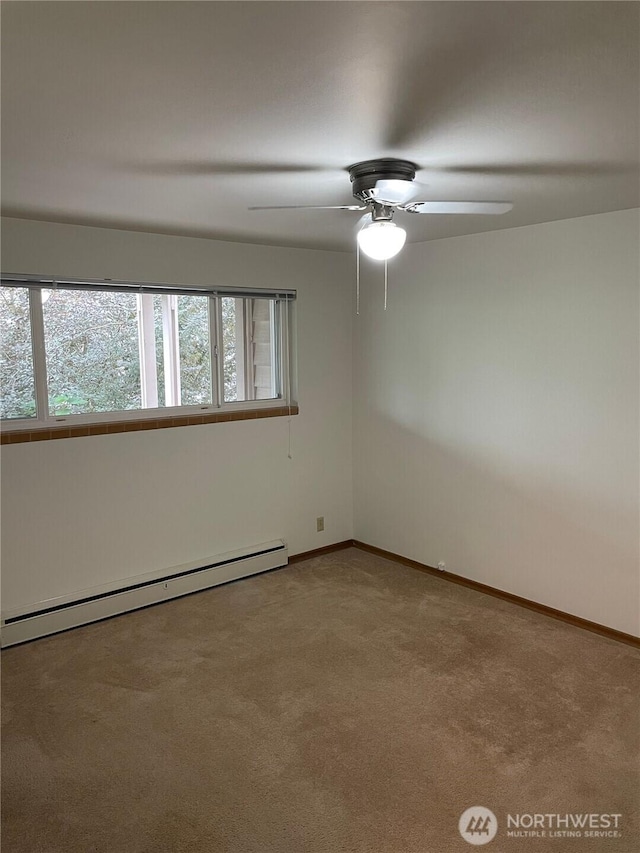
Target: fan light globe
x,y
381,240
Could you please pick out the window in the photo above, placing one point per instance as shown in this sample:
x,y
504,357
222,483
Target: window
x,y
175,350
83,352
91,349
248,342
17,390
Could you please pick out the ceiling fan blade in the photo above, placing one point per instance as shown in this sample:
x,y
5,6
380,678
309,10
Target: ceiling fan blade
x,y
230,167
545,170
434,86
312,207
394,191
477,207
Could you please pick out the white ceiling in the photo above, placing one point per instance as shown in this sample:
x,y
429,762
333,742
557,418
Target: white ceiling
x,y
176,116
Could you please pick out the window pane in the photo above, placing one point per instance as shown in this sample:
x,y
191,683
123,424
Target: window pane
x,y
182,350
17,389
248,336
262,352
195,351
91,343
157,318
232,353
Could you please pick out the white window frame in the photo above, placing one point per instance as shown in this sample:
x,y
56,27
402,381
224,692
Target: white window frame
x,y
147,351
281,307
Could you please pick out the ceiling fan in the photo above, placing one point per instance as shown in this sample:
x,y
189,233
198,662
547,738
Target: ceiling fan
x,y
383,187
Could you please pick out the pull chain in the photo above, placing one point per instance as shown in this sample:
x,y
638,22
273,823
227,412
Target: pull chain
x,y
287,308
385,284
357,278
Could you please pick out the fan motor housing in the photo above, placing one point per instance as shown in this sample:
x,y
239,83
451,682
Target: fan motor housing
x,y
365,175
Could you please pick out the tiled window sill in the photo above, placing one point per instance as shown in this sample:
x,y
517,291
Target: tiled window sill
x,y
18,437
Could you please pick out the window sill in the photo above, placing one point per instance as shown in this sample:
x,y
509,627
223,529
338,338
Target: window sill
x,y
44,434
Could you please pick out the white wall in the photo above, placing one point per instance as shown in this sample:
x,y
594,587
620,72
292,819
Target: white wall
x,y
496,423
496,420
82,512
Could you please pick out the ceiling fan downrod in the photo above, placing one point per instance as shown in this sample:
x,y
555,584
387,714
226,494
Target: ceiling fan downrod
x,y
381,212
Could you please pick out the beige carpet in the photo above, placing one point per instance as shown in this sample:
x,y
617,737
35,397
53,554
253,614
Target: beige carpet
x,y
345,703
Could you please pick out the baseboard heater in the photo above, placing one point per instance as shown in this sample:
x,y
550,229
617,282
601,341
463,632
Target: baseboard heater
x,y
59,614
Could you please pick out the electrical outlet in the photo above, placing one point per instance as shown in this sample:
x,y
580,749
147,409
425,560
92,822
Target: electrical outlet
x,y
320,523
442,567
